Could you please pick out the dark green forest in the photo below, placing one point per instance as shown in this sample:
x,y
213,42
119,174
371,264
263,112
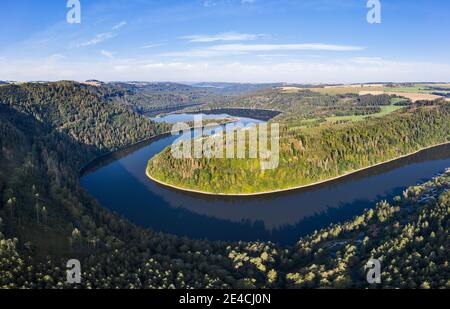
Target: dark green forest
x,y
49,131
158,98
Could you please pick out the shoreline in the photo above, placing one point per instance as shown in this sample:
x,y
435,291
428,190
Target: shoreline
x,y
82,171
93,162
293,188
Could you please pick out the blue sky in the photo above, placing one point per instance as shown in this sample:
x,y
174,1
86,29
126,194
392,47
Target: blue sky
x,y
304,41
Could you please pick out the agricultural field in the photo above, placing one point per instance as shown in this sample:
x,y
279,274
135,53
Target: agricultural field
x,y
439,86
412,89
336,90
414,97
414,92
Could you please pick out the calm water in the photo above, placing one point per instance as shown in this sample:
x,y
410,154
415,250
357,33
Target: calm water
x,y
119,184
187,117
173,118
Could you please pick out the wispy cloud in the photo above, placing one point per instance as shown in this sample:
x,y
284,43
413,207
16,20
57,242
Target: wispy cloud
x,y
57,57
107,54
212,3
368,60
200,53
285,47
99,38
322,70
242,49
119,25
151,46
227,36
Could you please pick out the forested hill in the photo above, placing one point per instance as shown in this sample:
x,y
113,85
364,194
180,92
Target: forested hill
x,y
81,112
154,98
47,133
312,155
235,89
159,97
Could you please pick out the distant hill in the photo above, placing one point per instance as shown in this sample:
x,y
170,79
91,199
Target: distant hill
x,y
235,88
156,86
93,82
154,98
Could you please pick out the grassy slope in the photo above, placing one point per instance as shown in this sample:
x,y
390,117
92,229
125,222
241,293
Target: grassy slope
x,y
385,110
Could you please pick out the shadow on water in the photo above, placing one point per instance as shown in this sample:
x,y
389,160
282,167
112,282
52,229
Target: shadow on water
x,y
119,183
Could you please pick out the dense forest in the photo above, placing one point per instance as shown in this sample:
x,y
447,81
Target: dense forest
x,y
158,98
46,218
311,155
410,236
235,89
80,112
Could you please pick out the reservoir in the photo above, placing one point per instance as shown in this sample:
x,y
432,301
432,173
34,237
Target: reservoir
x,y
119,183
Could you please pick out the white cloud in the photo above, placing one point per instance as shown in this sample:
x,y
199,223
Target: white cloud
x,y
151,46
119,25
212,3
272,55
242,49
107,54
201,53
227,36
56,57
368,60
121,68
285,47
176,66
153,66
321,70
99,38
340,71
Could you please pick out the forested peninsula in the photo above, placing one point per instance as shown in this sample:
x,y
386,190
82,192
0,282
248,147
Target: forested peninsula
x,y
312,155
